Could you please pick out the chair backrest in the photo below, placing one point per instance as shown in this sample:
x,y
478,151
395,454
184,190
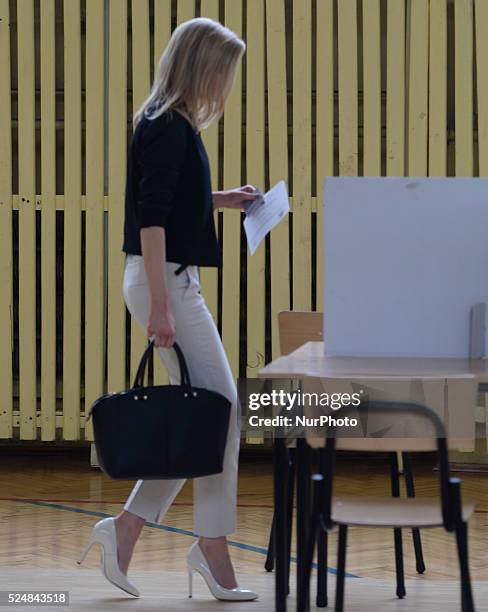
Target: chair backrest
x,y
433,427
297,328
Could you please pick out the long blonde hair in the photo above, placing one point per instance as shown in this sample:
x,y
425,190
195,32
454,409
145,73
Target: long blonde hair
x,y
195,73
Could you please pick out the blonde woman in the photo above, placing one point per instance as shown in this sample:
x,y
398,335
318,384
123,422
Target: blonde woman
x,y
168,233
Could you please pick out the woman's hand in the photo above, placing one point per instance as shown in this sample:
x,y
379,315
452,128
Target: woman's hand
x,y
161,325
234,198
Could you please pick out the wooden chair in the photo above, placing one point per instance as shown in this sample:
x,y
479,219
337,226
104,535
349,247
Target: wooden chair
x,y
295,329
366,511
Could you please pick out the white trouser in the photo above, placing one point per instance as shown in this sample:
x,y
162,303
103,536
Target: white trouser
x,y
214,497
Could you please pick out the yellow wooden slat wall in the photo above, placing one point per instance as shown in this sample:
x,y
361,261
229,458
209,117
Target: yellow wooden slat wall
x,y
117,141
438,88
463,60
6,267
302,155
371,88
27,220
231,218
140,90
162,27
324,125
395,88
72,221
255,163
48,221
94,274
278,159
186,10
348,87
414,142
418,88
210,137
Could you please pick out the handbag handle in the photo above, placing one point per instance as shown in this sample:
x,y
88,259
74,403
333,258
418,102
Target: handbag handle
x,y
141,370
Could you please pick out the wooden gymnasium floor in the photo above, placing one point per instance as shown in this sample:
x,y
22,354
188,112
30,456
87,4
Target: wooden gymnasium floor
x,y
50,502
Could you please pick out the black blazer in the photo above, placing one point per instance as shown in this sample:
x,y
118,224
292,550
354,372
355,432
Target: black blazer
x,y
168,185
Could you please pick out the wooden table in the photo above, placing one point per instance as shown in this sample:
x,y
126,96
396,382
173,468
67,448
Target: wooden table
x,y
310,361
462,377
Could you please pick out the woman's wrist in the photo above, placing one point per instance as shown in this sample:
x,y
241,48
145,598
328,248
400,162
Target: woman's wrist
x,y
217,198
160,303
237,199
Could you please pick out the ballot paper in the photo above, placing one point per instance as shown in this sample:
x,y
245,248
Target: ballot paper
x,y
264,213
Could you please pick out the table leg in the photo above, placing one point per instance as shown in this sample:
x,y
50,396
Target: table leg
x,y
303,487
280,469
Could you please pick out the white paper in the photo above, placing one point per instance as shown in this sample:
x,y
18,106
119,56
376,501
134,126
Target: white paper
x,y
264,213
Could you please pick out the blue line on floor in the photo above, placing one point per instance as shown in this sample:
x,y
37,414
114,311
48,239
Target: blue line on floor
x,y
256,549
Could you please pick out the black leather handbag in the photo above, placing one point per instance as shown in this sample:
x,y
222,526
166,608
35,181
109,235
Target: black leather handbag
x,y
161,432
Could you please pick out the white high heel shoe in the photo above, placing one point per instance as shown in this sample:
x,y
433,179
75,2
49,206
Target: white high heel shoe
x,y
104,533
196,562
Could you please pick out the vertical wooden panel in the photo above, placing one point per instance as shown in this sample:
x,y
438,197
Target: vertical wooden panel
x,y
438,88
48,221
27,220
278,159
463,79
185,10
255,174
395,88
72,221
6,264
209,276
325,125
255,163
232,218
117,142
162,34
302,155
140,91
371,88
481,13
418,88
162,27
94,275
348,88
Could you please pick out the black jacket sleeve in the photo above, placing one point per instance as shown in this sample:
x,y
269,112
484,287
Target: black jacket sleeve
x,y
161,155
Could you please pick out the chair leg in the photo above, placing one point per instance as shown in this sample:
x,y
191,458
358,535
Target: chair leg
x,y
269,563
417,542
322,556
322,542
304,591
397,533
462,546
291,487
400,575
279,495
341,568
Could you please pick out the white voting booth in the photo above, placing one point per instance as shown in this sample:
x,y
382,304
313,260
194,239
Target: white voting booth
x,y
405,261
